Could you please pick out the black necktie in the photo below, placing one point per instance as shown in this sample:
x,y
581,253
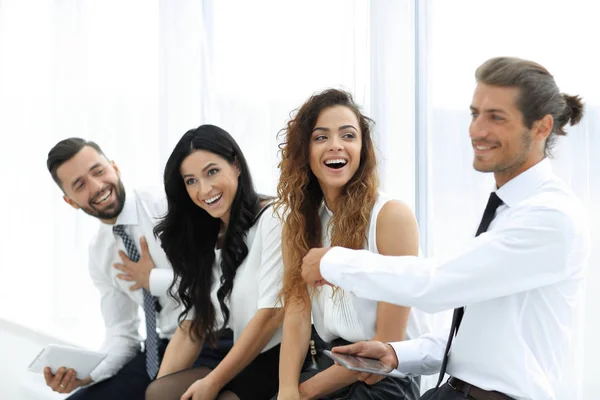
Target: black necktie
x,y
488,215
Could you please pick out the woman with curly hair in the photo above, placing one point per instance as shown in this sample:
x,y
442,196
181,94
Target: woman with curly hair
x,y
224,244
328,196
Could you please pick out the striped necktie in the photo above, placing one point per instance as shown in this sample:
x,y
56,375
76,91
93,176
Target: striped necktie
x,y
151,344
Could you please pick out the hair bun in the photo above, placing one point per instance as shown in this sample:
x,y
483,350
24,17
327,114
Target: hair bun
x,y
574,109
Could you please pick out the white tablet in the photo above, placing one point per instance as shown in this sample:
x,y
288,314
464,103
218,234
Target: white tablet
x,y
56,356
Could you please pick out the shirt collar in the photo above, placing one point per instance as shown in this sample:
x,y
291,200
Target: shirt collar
x,y
128,215
326,209
525,184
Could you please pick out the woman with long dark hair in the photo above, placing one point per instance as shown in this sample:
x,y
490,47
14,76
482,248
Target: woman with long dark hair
x,y
224,244
329,196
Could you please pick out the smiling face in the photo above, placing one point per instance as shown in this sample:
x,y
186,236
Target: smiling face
x,y
501,142
92,183
211,182
335,146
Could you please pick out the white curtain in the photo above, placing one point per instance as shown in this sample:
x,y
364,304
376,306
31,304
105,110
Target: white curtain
x,y
135,75
68,68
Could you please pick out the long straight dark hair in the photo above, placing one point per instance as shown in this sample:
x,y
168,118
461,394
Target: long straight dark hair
x,y
188,234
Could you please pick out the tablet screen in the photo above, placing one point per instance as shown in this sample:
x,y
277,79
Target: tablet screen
x,y
56,356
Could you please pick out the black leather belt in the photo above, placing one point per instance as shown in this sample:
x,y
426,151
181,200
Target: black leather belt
x,y
474,392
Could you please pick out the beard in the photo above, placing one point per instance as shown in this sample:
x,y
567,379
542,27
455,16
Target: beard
x,y
111,211
513,162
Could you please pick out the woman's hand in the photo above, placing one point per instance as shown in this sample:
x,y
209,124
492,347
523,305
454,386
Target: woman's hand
x,y
291,394
202,389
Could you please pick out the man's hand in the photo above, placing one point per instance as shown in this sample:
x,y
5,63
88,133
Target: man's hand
x,y
311,268
373,349
65,380
138,272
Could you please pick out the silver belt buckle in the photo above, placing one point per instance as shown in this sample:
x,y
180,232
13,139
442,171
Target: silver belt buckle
x,y
450,384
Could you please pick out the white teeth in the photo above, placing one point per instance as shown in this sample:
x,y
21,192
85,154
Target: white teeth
x,y
104,198
213,199
482,148
336,161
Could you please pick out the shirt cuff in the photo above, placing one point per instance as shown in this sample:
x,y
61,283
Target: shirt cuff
x,y
160,280
332,264
408,353
98,375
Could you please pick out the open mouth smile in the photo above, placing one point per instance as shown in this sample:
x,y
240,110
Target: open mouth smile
x,y
102,197
336,163
214,199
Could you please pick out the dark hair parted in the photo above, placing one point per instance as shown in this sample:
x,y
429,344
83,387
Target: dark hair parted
x,y
300,196
188,234
538,93
63,151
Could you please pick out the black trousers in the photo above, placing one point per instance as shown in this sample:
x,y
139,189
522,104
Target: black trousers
x,y
444,392
131,381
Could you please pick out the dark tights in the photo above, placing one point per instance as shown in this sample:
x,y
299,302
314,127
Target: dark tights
x,y
173,386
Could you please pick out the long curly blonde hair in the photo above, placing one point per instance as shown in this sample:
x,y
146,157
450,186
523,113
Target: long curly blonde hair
x,y
300,196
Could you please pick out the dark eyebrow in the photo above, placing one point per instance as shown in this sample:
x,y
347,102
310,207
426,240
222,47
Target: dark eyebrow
x,y
93,167
490,110
212,164
319,128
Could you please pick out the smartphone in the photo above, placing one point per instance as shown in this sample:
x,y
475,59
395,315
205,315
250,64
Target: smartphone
x,y
363,364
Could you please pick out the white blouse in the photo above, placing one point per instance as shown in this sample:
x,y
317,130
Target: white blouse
x,y
258,279
345,315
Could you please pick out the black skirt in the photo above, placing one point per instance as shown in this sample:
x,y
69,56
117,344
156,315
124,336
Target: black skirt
x,y
260,379
388,388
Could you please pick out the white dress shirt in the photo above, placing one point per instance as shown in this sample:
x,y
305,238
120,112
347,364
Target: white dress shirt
x,y
346,315
521,283
257,280
120,306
